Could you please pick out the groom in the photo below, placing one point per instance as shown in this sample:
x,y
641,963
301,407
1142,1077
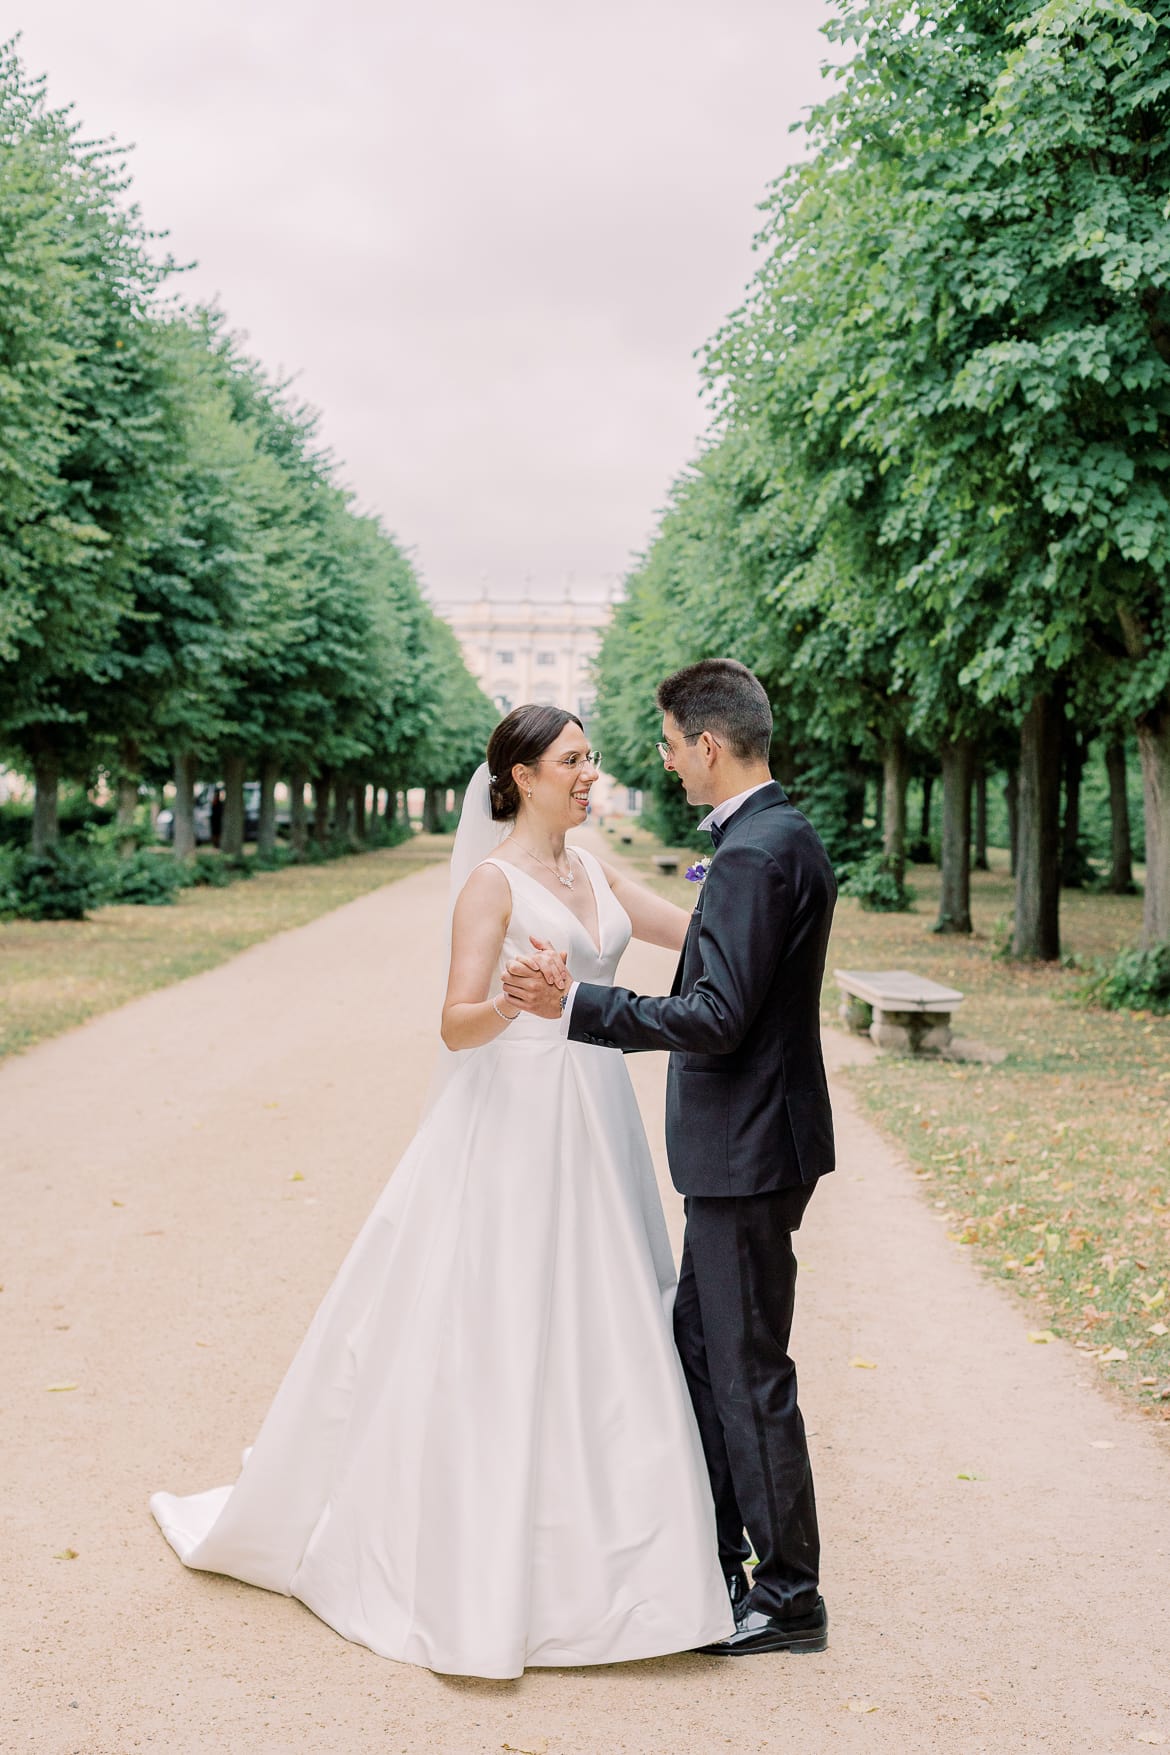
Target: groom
x,y
748,1132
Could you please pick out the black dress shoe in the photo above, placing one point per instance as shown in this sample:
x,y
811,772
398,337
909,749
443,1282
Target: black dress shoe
x,y
755,1632
738,1589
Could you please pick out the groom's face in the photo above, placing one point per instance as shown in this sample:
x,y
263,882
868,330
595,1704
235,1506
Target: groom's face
x,y
687,760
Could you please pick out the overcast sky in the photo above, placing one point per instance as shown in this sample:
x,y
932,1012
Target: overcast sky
x,y
488,235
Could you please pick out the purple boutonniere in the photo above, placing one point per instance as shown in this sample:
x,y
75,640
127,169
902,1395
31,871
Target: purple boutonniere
x,y
697,872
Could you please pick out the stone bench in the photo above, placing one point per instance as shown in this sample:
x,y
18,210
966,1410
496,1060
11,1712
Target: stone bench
x,y
666,863
910,1015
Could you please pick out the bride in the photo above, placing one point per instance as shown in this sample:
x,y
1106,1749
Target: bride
x,y
483,1455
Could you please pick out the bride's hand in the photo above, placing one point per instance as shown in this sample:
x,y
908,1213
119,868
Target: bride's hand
x,y
535,984
553,964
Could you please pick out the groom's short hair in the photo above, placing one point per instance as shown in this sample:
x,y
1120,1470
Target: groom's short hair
x,y
723,697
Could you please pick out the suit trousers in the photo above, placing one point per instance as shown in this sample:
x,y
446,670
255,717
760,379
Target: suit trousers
x,y
732,1320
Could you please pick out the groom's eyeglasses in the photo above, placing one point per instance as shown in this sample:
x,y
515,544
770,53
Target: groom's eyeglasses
x,y
665,751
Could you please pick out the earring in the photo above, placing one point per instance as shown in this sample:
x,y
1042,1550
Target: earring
x,y
528,794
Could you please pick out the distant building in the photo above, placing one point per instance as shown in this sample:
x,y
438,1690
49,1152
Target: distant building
x,y
539,649
532,649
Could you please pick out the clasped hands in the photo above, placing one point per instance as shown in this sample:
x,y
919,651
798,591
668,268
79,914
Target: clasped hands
x,y
537,982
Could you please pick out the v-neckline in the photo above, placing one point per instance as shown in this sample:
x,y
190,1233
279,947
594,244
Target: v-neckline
x,y
564,905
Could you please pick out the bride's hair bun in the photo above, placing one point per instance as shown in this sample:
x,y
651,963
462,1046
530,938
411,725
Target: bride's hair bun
x,y
520,739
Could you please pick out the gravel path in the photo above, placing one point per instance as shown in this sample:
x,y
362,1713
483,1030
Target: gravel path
x,y
180,1180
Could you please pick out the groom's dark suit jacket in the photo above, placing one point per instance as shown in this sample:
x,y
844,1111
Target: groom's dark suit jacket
x,y
747,1105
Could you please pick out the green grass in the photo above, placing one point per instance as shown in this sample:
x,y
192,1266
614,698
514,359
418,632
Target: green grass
x,y
1053,1167
55,974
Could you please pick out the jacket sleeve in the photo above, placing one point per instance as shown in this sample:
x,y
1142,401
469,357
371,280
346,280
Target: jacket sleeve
x,y
747,905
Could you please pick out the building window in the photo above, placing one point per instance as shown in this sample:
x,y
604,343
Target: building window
x,y
503,703
546,658
505,658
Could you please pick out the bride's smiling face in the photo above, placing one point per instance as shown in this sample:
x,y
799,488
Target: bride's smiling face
x,y
561,781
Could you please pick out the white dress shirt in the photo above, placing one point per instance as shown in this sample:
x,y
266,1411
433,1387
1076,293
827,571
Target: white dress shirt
x,y
713,819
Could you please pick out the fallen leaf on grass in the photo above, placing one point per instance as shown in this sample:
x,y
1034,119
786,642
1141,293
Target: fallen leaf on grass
x,y
864,1364
66,1554
58,1388
965,1477
861,1706
1159,1329
1112,1356
1041,1336
298,1176
117,1203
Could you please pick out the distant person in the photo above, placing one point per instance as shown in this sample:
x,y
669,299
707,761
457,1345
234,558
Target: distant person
x,y
218,801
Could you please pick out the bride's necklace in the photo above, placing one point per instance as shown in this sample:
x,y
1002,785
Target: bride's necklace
x,y
568,882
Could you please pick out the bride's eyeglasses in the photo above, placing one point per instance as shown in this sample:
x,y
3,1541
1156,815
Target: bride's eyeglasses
x,y
591,759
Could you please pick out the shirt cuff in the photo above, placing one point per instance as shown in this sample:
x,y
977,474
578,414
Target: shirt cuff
x,y
568,1011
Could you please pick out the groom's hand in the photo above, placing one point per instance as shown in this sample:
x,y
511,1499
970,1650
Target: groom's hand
x,y
535,984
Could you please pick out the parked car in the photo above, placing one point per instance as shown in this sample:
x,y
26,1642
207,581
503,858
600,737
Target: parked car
x,y
203,796
165,821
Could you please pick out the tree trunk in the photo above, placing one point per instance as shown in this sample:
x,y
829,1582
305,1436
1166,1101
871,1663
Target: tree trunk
x,y
433,810
359,811
895,779
390,813
854,796
1072,874
266,828
1121,842
232,838
879,804
927,801
1037,926
129,765
298,827
1153,734
322,803
979,859
45,824
954,903
1011,798
186,770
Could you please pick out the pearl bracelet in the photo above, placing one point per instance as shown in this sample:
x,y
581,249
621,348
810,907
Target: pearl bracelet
x,y
508,1017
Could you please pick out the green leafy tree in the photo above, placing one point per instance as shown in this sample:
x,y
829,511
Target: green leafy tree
x,y
90,424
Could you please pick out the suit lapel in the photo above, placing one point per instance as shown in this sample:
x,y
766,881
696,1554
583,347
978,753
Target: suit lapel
x,y
765,799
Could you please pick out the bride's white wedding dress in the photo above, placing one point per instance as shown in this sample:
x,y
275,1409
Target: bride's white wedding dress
x,y
483,1455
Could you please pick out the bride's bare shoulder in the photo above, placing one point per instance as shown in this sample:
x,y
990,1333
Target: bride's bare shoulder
x,y
486,885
